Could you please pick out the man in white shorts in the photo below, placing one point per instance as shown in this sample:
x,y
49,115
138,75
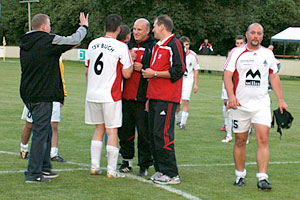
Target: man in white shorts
x,y
109,61
190,76
55,119
239,41
246,81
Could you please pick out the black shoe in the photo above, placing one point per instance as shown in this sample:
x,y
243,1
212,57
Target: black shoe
x,y
58,159
143,172
182,127
264,185
50,175
125,167
178,124
24,154
37,180
240,182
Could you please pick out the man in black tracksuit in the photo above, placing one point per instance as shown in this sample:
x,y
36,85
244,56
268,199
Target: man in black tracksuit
x,y
133,102
41,84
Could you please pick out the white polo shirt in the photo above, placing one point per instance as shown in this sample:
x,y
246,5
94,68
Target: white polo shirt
x,y
192,64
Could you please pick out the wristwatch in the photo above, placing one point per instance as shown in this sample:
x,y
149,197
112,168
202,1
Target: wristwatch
x,y
155,75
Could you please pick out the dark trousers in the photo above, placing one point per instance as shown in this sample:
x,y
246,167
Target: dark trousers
x,y
39,159
161,128
135,116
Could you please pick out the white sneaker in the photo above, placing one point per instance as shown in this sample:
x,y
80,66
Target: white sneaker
x,y
166,180
227,139
155,175
115,174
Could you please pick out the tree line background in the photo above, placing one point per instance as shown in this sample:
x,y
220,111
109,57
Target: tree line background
x,y
220,21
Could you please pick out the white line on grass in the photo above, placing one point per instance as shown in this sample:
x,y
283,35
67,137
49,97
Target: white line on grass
x,y
56,170
165,187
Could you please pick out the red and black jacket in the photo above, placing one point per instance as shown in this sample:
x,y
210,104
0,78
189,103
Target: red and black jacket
x,y
135,87
168,56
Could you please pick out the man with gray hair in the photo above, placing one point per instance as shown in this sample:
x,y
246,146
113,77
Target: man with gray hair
x,y
41,84
246,73
134,98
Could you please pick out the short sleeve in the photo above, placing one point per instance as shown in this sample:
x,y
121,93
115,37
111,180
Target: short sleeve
x,y
125,58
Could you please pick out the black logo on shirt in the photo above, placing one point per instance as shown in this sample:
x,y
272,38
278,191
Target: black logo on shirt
x,y
251,79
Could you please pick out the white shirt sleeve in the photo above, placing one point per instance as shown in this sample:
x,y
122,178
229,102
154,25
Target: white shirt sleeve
x,y
126,59
231,61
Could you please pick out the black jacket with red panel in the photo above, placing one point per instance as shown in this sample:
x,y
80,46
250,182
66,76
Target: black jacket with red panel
x,y
169,56
135,87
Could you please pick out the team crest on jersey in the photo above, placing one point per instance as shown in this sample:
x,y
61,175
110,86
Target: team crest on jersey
x,y
265,63
159,56
253,79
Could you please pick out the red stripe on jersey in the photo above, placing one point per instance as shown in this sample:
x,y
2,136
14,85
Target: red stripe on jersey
x,y
179,47
271,71
235,79
167,127
116,90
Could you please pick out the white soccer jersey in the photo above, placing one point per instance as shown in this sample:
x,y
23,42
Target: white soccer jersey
x,y
106,58
250,74
191,65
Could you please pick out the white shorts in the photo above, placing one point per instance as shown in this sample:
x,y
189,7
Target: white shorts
x,y
224,92
242,120
186,90
109,114
55,113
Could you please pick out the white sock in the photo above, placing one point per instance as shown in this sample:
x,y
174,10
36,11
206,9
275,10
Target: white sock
x,y
184,116
261,176
112,158
53,152
224,115
96,148
177,116
241,174
24,147
228,124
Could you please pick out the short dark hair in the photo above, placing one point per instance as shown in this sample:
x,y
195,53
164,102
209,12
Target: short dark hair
x,y
112,22
124,31
38,20
240,37
166,21
185,39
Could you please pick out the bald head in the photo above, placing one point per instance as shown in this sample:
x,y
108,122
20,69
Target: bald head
x,y
141,29
254,34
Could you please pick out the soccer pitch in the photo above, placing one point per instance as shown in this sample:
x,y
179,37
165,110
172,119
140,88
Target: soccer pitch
x,y
205,164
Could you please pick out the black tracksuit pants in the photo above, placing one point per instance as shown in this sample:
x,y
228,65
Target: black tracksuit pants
x,y
161,128
135,116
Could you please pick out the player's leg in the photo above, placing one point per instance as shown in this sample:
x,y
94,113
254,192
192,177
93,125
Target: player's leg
x,y
261,123
26,133
94,115
55,119
241,122
178,115
185,113
112,113
228,136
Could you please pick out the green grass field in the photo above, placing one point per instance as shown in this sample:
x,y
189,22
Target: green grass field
x,y
205,164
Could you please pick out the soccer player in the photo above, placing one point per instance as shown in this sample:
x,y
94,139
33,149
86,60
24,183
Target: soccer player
x,y
133,102
190,76
246,81
109,61
239,41
41,85
124,34
167,67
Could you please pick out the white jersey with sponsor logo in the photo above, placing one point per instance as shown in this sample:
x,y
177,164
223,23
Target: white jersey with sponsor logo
x,y
106,58
251,70
192,64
